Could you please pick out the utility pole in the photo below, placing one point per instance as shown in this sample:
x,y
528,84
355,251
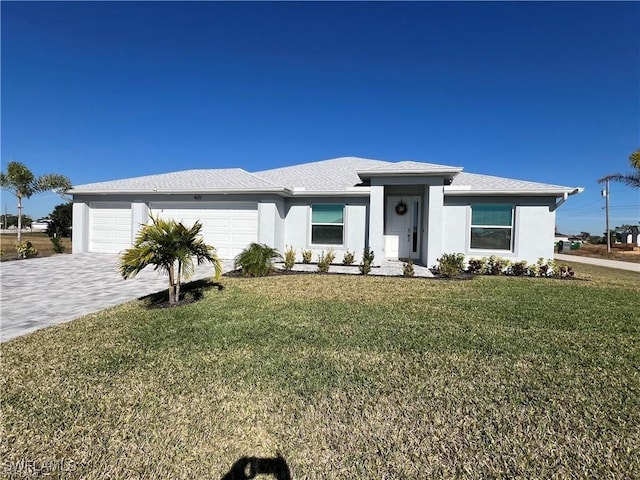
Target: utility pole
x,y
605,194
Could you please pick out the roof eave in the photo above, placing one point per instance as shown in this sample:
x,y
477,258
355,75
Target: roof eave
x,y
420,173
533,192
201,191
354,192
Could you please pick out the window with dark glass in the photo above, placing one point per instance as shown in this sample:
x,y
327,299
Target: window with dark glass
x,y
491,227
327,224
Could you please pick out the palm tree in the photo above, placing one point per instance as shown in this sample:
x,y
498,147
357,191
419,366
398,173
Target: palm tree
x,y
171,247
257,260
632,179
21,181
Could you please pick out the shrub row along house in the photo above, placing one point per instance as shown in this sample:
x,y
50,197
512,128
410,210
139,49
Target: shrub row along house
x,y
400,210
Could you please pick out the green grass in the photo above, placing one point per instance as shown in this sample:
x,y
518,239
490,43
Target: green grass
x,y
347,377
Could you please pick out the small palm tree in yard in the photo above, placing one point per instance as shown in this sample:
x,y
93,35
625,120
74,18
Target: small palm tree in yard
x,y
170,247
257,260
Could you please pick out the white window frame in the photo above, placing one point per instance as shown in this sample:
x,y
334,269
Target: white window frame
x,y
511,227
312,224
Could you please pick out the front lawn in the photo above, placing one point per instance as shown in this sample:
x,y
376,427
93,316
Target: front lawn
x,y
345,376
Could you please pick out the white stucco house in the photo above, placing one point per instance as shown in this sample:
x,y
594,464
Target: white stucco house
x,y
399,209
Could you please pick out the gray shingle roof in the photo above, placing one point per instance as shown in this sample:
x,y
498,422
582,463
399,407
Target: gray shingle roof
x,y
474,182
223,179
334,175
410,167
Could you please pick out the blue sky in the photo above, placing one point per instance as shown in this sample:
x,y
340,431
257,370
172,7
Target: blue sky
x,y
538,91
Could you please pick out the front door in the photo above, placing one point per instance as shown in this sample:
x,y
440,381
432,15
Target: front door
x,y
403,227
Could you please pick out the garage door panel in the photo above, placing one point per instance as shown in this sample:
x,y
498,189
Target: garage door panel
x,y
244,239
109,227
227,227
249,223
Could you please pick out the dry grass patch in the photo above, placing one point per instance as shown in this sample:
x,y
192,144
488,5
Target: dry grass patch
x,y
40,241
600,251
347,377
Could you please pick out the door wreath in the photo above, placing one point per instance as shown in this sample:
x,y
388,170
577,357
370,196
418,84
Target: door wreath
x,y
401,208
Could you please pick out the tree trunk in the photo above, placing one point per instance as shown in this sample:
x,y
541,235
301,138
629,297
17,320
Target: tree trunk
x,y
177,283
19,218
172,288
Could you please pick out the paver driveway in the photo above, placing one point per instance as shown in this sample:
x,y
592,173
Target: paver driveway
x,y
39,292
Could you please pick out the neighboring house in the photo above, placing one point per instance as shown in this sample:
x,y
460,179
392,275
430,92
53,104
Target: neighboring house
x,y
40,225
401,210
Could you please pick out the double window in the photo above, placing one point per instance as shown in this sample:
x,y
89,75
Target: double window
x,y
327,224
492,227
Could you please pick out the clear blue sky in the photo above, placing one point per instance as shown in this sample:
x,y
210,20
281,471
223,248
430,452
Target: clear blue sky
x,y
540,91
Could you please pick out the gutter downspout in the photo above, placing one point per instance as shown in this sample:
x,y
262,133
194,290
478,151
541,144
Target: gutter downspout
x,y
566,195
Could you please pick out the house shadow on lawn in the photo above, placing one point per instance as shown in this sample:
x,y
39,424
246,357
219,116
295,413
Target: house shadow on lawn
x,y
248,467
189,293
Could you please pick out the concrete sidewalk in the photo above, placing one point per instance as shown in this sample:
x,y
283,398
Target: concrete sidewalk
x,y
634,267
40,292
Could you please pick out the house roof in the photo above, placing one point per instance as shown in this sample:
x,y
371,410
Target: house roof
x,y
334,175
408,168
209,180
465,183
342,175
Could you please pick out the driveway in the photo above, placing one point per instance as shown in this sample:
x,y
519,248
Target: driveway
x,y
40,292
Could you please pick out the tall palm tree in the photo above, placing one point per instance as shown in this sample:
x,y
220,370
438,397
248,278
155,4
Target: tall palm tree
x,y
21,181
170,247
632,179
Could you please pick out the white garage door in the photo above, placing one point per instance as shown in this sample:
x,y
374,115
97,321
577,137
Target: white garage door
x,y
109,227
227,227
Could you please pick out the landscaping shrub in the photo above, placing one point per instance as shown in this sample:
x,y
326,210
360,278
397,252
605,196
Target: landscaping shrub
x,y
407,269
564,271
496,265
349,258
57,245
519,268
257,260
367,260
325,260
451,264
543,269
289,258
306,256
26,249
475,265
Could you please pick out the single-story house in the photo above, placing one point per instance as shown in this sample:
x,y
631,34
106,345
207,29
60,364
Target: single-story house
x,y
400,210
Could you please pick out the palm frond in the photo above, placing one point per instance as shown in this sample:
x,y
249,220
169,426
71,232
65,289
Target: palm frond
x,y
631,179
257,260
171,247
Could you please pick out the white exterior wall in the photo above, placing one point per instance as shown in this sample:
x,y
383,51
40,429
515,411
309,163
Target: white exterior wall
x,y
80,231
434,224
376,223
533,234
266,223
454,230
297,231
139,216
271,223
535,227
